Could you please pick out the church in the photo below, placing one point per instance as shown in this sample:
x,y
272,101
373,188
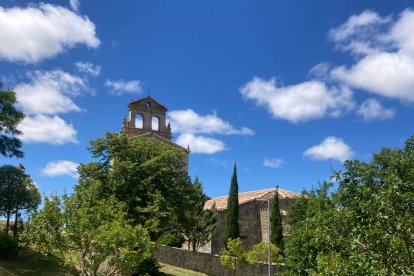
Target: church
x,y
148,118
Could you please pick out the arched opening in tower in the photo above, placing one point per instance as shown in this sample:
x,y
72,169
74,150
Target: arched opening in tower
x,y
139,121
155,123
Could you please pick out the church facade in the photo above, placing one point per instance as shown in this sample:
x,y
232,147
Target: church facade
x,y
253,217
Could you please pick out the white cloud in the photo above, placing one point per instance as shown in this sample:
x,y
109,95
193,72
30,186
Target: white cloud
x,y
49,92
387,74
88,68
188,121
47,129
371,109
386,67
355,24
301,102
74,4
330,148
273,162
63,167
38,32
200,144
120,87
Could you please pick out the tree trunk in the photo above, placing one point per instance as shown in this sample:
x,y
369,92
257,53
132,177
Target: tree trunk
x,y
15,223
8,222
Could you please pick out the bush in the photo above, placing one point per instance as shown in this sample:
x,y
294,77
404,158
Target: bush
x,y
171,239
148,267
259,253
9,247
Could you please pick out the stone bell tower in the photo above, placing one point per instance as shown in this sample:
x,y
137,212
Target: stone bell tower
x,y
147,116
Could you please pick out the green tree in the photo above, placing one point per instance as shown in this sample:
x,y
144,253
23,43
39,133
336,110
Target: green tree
x,y
259,253
365,226
232,227
200,223
17,193
10,118
276,229
235,256
90,235
145,174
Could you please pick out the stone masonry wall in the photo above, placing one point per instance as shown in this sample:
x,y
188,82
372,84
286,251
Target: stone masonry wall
x,y
207,263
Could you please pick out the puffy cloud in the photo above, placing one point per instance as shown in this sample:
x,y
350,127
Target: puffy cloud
x,y
121,87
371,109
37,32
387,74
200,144
63,167
74,4
49,92
386,67
330,148
88,68
298,103
273,162
47,129
188,121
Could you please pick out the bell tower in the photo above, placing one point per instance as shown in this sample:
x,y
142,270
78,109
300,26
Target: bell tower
x,y
147,116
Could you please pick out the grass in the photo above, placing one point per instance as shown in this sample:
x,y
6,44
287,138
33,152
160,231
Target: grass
x,y
31,263
177,271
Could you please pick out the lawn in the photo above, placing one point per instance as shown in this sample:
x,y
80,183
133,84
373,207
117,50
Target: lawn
x,y
32,263
177,271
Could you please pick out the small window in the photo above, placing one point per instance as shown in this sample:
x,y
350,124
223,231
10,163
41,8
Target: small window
x,y
148,104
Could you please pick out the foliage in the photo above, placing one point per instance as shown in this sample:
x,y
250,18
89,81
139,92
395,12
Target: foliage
x,y
276,229
9,247
17,193
260,253
232,227
145,174
235,256
171,239
148,267
199,223
10,118
90,235
365,226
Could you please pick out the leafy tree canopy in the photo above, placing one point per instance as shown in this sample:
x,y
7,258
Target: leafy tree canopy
x,y
199,223
146,175
89,234
363,227
10,118
259,253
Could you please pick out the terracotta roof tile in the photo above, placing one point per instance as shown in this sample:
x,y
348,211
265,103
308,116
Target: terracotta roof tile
x,y
221,202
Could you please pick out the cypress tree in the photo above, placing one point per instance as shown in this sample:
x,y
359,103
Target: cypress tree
x,y
276,229
232,229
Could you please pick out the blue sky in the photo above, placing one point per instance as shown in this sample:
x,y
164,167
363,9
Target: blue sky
x,y
288,89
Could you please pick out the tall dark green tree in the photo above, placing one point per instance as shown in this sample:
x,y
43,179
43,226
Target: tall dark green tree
x,y
276,229
232,227
200,222
17,193
10,117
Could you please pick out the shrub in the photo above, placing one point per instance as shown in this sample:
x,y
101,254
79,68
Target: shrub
x,y
9,247
171,239
259,253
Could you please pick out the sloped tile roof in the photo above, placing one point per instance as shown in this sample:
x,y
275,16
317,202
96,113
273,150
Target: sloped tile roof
x,y
221,202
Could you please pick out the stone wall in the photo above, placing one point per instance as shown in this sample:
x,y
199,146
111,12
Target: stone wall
x,y
207,263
